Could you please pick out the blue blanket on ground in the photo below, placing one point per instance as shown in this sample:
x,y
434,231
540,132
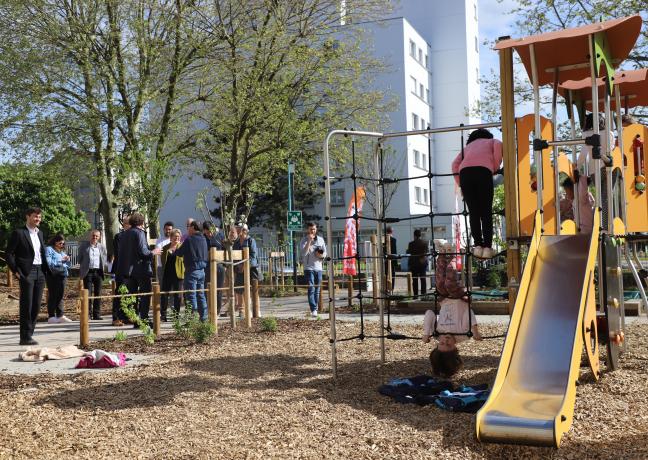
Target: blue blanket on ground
x,y
423,390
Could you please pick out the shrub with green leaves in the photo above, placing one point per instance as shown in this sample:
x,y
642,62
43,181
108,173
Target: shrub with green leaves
x,y
120,336
187,324
269,324
127,304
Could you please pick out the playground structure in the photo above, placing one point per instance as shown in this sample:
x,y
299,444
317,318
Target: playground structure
x,y
570,282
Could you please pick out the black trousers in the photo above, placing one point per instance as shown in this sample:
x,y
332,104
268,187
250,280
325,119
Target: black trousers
x,y
170,284
56,288
93,281
117,313
477,187
418,274
142,284
31,294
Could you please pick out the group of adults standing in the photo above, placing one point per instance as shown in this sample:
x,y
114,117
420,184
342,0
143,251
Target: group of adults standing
x,y
184,266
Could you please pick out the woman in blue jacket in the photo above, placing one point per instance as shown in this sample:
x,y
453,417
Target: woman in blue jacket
x,y
59,264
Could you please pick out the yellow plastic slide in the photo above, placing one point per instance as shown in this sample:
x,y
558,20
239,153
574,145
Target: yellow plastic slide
x,y
532,399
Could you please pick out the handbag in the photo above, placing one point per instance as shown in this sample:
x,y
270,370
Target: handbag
x,y
58,270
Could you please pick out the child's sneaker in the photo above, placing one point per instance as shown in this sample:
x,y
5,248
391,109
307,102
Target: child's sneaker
x,y
53,320
64,319
488,253
314,314
477,251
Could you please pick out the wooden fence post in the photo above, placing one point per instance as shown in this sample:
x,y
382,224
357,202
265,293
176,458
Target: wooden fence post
x,y
10,278
350,291
232,308
375,275
320,300
84,322
213,289
246,288
410,284
156,309
256,302
270,271
80,287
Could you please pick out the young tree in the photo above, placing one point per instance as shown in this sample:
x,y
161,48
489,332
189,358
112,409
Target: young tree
x,y
285,73
536,16
22,186
103,79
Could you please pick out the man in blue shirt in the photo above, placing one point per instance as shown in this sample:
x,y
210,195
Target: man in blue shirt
x,y
313,252
195,254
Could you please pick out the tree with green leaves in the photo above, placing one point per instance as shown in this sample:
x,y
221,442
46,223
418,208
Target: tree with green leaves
x,y
112,81
284,74
23,186
536,17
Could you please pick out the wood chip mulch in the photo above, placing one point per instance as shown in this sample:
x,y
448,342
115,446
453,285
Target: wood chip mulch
x,y
251,394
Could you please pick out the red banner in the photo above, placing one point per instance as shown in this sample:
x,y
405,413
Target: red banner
x,y
351,232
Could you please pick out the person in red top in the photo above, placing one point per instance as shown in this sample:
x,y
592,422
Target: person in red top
x,y
474,168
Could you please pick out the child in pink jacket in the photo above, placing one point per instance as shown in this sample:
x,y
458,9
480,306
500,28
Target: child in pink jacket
x,y
474,168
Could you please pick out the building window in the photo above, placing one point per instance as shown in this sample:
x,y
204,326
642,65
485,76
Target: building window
x,y
421,90
337,197
417,194
412,49
417,158
427,95
413,80
476,45
420,55
415,120
426,61
423,125
426,197
475,5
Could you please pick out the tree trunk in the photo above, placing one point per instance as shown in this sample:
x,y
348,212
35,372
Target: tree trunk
x,y
108,208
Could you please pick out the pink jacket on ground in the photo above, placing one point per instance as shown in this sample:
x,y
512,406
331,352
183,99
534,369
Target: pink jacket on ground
x,y
480,152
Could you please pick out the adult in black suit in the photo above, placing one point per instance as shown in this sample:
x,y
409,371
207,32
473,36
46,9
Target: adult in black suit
x,y
26,258
118,316
390,255
134,262
418,261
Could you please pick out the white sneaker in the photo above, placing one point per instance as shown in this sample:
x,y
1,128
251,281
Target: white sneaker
x,y
314,314
53,320
477,251
64,319
488,253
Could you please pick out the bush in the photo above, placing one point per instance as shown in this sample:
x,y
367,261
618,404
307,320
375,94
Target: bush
x,y
120,336
128,307
269,324
187,324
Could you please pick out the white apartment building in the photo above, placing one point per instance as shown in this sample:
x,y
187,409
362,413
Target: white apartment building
x,y
431,48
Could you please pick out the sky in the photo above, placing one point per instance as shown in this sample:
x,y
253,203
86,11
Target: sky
x,y
493,22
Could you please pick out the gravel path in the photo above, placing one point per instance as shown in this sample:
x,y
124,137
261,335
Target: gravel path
x,y
249,394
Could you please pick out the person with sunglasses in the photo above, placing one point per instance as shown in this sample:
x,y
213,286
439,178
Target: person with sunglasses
x,y
59,265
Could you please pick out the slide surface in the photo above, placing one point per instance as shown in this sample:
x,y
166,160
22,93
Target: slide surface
x,y
532,400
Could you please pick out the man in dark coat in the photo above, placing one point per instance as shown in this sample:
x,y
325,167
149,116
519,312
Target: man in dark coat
x,y
118,315
26,258
417,263
134,262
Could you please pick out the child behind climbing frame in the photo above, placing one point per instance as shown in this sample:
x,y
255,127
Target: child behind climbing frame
x,y
447,278
452,319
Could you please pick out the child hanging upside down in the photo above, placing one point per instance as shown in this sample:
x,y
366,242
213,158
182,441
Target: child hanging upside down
x,y
452,318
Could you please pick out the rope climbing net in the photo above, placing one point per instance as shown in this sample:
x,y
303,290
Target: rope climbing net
x,y
381,220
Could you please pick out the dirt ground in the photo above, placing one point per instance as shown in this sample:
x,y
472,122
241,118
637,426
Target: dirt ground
x,y
251,394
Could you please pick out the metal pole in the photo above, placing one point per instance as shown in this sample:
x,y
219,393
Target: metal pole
x,y
537,154
379,262
608,169
572,126
291,172
622,205
595,117
554,119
